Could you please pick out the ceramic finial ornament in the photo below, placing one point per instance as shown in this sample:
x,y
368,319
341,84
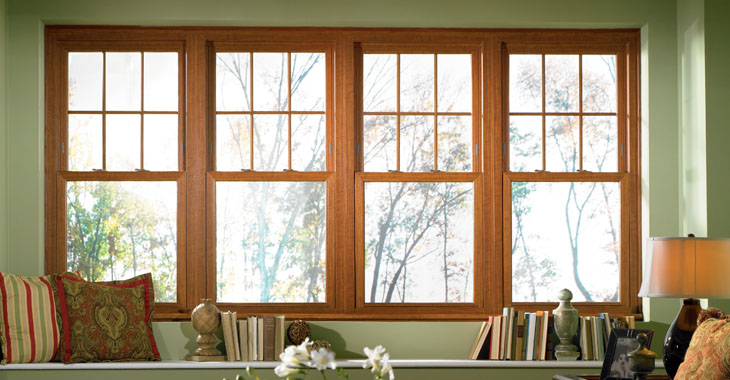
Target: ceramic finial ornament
x,y
206,319
566,326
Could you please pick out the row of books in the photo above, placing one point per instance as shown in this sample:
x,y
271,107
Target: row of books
x,y
515,335
252,338
519,335
594,332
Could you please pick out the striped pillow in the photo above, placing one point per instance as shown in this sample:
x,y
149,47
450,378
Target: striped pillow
x,y
28,329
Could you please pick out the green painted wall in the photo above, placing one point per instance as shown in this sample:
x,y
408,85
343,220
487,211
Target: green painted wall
x,y
3,145
717,35
717,62
661,174
691,61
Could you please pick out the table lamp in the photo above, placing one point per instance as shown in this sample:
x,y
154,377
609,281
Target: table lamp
x,y
689,268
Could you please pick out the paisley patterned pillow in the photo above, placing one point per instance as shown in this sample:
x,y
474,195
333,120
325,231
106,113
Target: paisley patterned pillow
x,y
708,355
107,321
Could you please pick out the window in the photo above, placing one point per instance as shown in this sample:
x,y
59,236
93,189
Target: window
x,y
416,195
273,180
567,181
346,173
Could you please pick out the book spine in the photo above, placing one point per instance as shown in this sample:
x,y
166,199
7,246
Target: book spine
x,y
227,336
260,339
269,337
243,338
494,345
505,316
234,333
279,343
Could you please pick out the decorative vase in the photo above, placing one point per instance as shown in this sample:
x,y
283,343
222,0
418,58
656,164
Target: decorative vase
x,y
206,319
566,325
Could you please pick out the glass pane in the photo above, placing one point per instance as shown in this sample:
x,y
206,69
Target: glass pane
x,y
416,143
379,82
559,227
123,142
160,142
599,83
561,144
416,82
232,81
454,149
85,81
525,83
84,142
308,82
561,83
271,142
271,241
308,142
232,142
419,242
123,81
525,143
381,143
116,230
454,82
271,88
160,81
600,135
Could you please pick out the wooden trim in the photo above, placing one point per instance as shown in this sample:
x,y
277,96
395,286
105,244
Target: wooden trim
x,y
344,47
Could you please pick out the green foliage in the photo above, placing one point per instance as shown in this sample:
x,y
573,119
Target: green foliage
x,y
112,234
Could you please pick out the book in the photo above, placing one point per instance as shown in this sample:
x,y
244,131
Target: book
x,y
519,337
269,337
510,338
544,333
552,340
530,350
583,338
597,336
260,338
280,336
473,353
538,335
228,335
503,332
589,338
252,341
243,338
481,340
494,342
234,332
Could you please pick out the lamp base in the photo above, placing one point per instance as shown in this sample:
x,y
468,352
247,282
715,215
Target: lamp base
x,y
680,334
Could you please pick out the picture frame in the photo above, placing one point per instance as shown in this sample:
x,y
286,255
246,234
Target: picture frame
x,y
620,343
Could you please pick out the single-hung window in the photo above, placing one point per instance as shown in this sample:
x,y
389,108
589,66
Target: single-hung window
x,y
272,175
419,188
567,180
121,173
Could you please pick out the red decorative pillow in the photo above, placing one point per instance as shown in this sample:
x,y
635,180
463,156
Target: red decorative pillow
x,y
708,355
107,321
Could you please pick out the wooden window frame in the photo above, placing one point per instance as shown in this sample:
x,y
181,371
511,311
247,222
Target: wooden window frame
x,y
196,258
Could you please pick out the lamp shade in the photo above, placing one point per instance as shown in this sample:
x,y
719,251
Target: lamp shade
x,y
687,267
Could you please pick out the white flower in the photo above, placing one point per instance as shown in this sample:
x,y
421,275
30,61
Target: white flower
x,y
296,356
379,361
374,357
283,370
385,367
322,359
